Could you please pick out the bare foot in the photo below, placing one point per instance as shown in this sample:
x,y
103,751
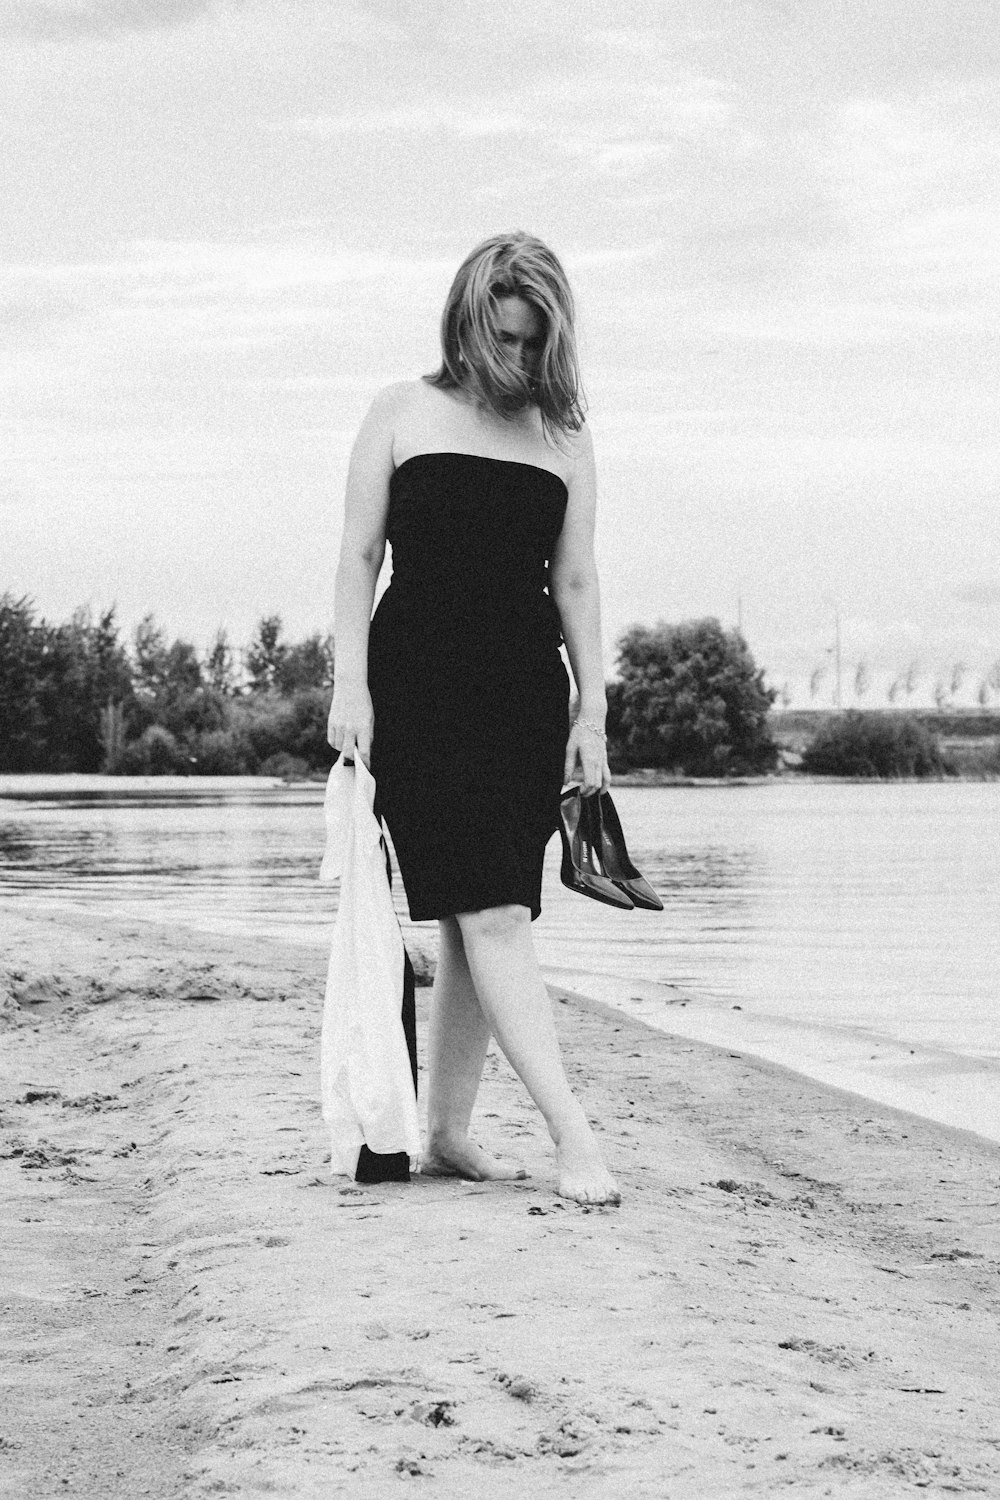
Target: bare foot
x,y
460,1157
583,1177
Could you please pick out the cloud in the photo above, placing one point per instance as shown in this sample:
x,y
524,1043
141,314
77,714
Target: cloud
x,y
876,223
194,295
831,323
160,270
423,119
615,122
625,255
689,106
894,159
64,20
625,157
951,247
592,117
986,592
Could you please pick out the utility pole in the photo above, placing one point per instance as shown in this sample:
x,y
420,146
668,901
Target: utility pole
x,y
836,617
739,613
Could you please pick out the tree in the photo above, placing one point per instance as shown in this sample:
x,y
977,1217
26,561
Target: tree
x,y
22,726
693,699
220,665
83,669
308,664
73,699
182,670
150,657
171,690
63,690
617,754
265,654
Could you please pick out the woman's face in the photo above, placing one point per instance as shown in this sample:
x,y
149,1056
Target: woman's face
x,y
520,332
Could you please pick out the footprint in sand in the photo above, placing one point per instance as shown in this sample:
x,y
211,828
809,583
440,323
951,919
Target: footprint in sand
x,y
838,1355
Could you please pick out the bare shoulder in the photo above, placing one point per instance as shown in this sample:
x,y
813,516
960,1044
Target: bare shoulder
x,y
579,450
393,401
387,415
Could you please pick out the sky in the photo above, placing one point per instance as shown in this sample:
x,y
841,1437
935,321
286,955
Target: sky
x,y
227,223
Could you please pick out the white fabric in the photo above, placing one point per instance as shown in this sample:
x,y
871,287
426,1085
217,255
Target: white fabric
x,y
366,1083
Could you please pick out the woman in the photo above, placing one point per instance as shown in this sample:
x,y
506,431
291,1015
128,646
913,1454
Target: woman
x,y
481,477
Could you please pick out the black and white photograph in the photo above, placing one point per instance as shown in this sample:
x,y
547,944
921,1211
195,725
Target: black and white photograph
x,y
499,749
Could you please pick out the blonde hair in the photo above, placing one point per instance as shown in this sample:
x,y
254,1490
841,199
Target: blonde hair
x,y
472,356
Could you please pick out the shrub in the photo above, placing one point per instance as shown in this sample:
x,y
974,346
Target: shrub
x,y
975,761
267,722
222,752
308,741
691,699
154,753
873,745
288,767
272,725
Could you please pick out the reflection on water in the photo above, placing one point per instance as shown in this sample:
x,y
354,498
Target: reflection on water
x,y
217,860
853,907
211,861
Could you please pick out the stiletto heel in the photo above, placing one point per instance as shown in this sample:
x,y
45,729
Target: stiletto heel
x,y
616,861
580,830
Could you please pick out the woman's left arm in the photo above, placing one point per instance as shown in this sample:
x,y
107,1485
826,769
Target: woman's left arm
x,y
576,592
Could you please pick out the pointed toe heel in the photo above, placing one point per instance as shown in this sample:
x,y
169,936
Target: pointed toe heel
x,y
617,863
581,869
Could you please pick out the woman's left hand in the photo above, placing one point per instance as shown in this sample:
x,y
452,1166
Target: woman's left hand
x,y
586,761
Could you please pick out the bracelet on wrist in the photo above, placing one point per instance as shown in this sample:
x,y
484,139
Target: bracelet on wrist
x,y
593,728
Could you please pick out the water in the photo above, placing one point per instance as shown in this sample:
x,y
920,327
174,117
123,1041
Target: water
x,y
849,930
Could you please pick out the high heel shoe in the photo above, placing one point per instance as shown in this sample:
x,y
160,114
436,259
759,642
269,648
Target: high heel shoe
x,y
616,862
579,828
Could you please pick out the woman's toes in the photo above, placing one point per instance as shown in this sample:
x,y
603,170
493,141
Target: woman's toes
x,y
583,1177
463,1158
591,1192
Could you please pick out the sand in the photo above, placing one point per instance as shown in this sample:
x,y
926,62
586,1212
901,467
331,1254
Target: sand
x,y
799,1292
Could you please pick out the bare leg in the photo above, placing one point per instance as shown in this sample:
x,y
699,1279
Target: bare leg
x,y
514,1000
458,1038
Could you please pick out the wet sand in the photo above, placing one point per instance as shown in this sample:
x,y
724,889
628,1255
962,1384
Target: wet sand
x,y
799,1292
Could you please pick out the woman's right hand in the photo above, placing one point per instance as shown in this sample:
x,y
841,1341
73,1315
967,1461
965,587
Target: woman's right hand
x,y
352,721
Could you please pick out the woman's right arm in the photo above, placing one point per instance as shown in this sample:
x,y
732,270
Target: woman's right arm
x,y
351,721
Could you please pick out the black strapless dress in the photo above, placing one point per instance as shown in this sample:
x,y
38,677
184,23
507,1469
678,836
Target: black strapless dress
x,y
470,693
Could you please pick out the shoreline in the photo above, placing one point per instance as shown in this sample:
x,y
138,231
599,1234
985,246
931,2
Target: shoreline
x,y
31,786
947,1087
854,1098
799,1291
917,1081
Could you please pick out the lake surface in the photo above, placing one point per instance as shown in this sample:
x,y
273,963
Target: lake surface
x,y
847,930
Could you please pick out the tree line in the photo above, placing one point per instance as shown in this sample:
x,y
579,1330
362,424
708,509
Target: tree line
x,y
76,696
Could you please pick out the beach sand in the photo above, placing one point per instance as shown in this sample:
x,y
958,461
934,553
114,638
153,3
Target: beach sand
x,y
799,1292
